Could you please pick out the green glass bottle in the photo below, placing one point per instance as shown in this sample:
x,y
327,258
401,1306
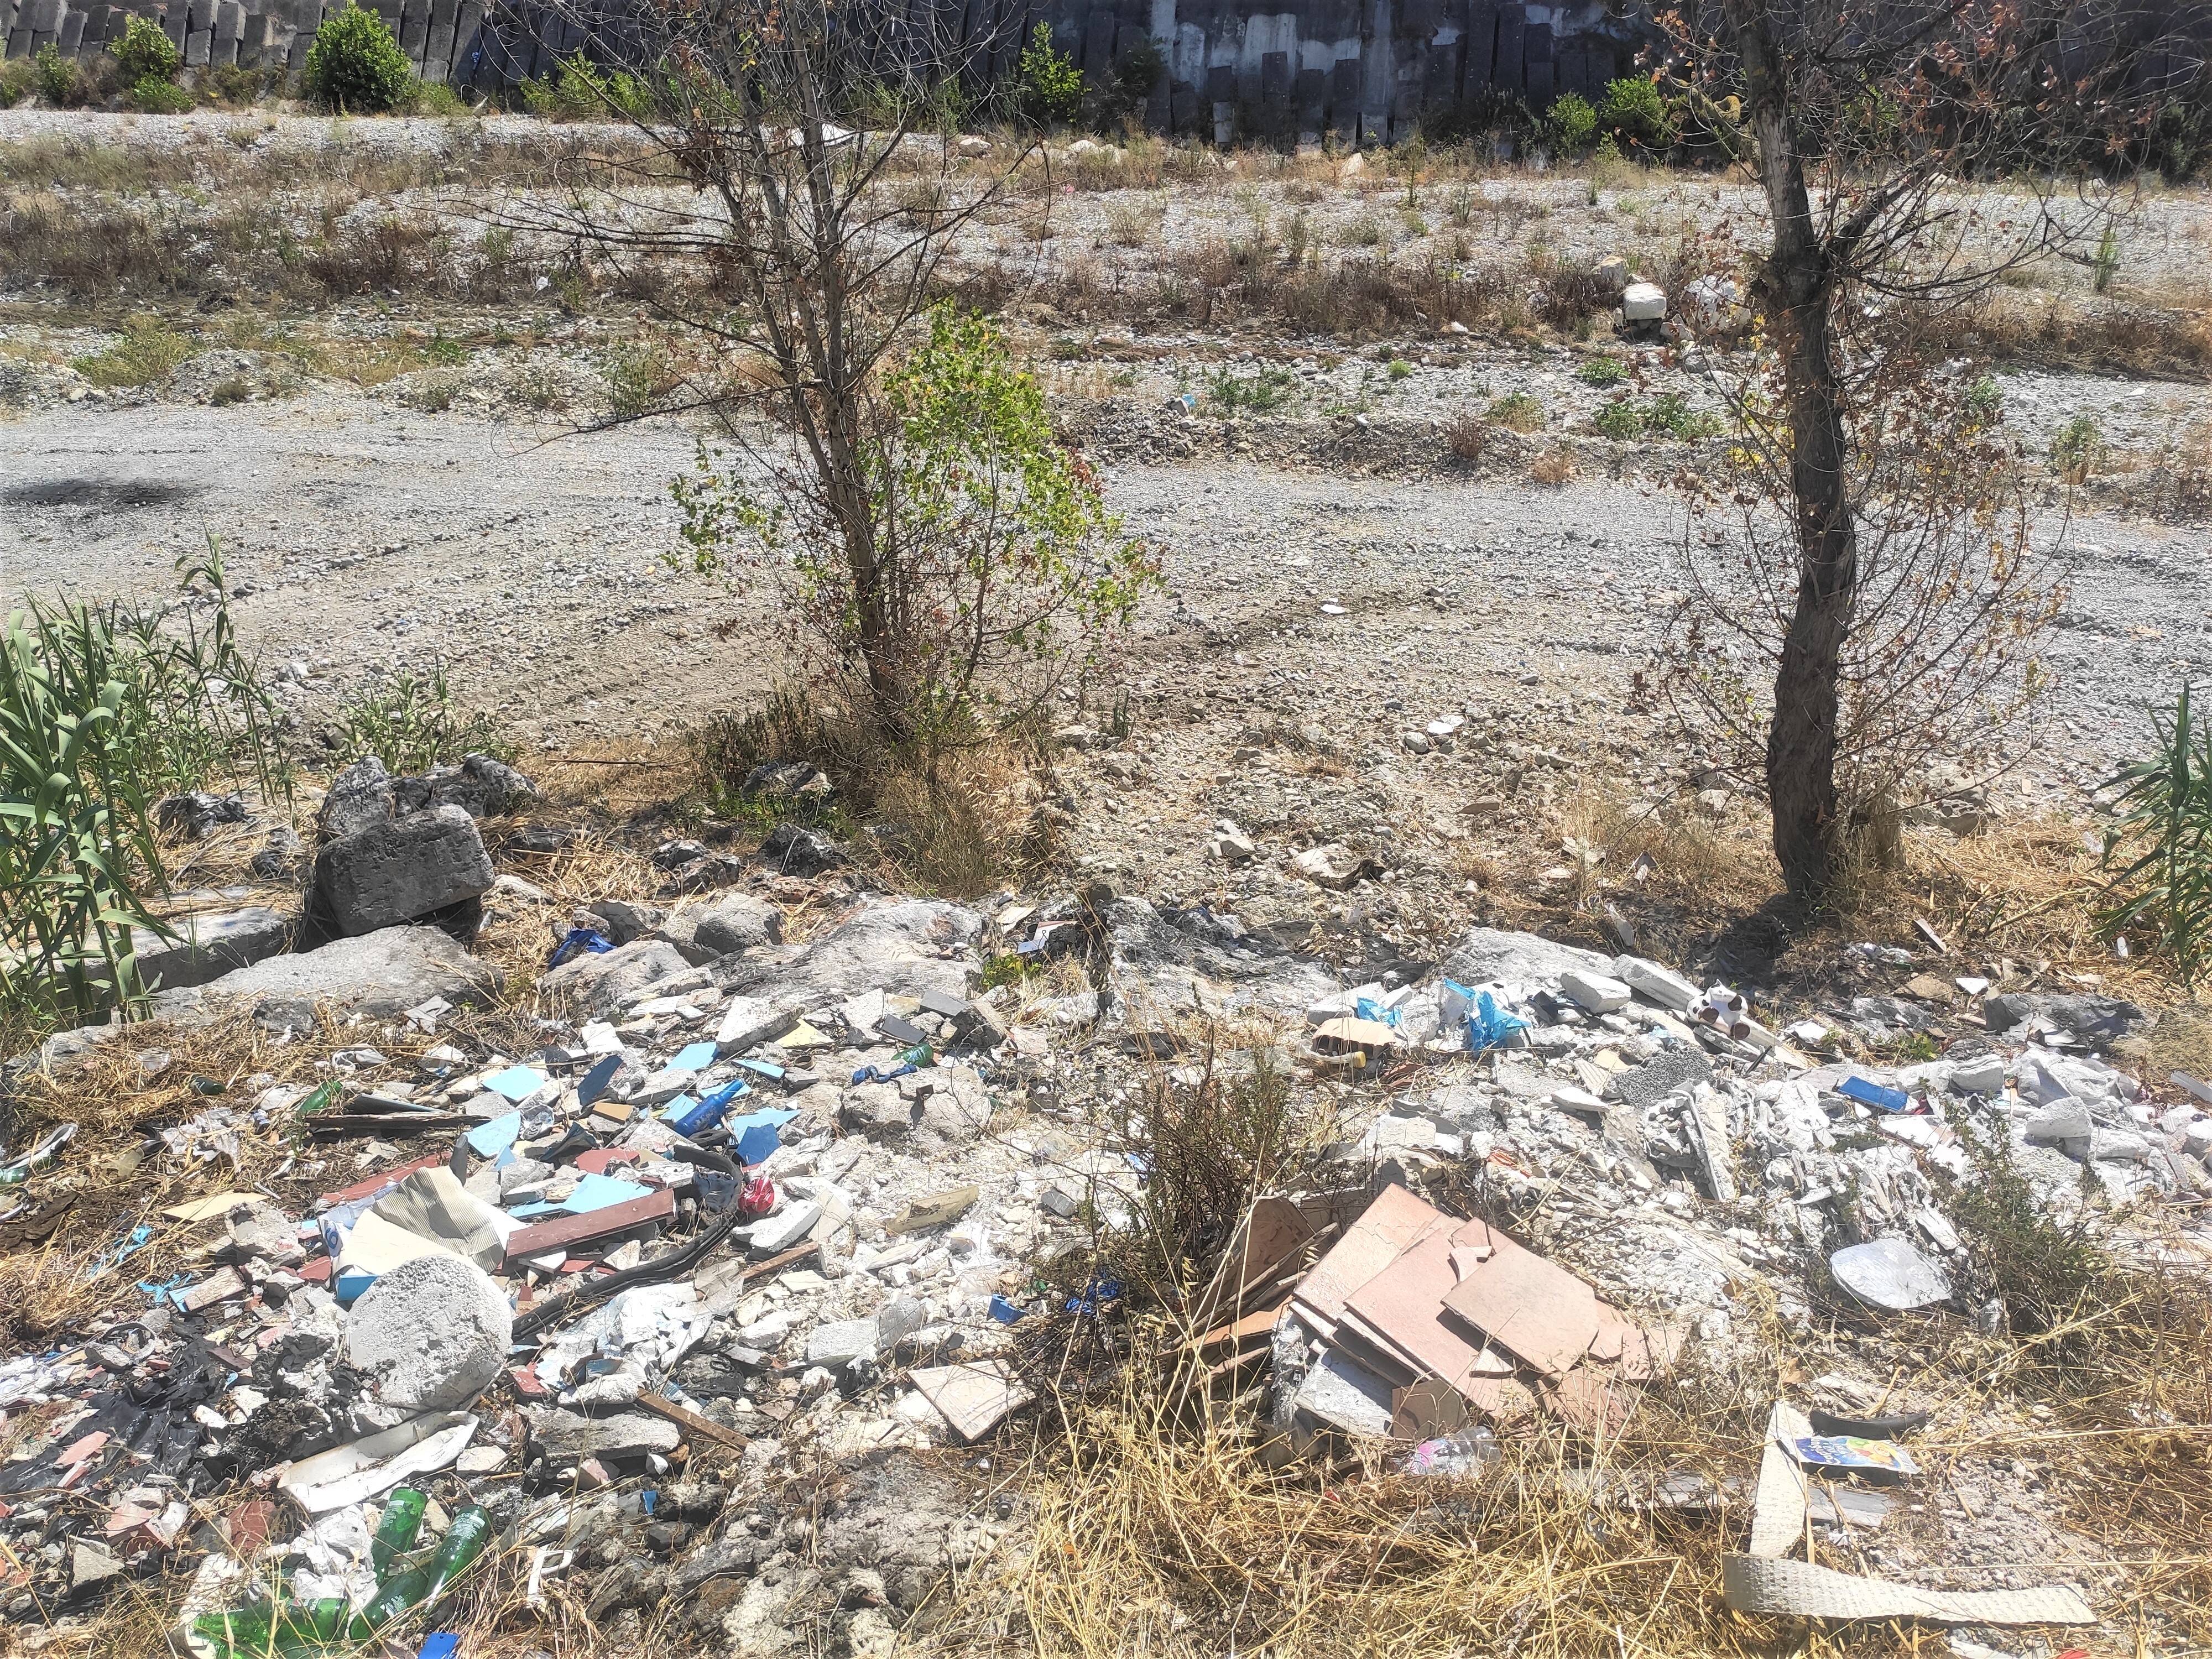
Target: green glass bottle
x,y
405,1590
465,1541
396,1533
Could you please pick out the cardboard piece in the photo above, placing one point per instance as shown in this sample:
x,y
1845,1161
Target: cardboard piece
x,y
1752,1583
1778,1513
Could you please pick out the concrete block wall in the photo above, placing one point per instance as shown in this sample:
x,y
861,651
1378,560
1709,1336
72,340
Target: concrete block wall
x,y
438,36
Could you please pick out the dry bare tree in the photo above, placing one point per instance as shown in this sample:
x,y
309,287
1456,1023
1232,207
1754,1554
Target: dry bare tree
x,y
1865,124
803,154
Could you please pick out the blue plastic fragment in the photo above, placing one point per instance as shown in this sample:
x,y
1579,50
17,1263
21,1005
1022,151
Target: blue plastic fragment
x,y
1368,1008
753,1137
1489,1026
763,1068
1005,1311
695,1057
883,1074
580,941
439,1645
646,1499
1873,1094
1096,1293
490,1139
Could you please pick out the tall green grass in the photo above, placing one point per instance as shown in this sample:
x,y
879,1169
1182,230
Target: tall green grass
x,y
104,709
2159,844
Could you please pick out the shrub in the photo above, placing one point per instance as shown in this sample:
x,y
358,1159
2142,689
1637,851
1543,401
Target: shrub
x,y
1465,435
148,354
1619,420
144,52
15,82
578,90
1261,393
152,95
355,65
1636,116
1601,371
1553,466
57,78
2079,448
1048,86
1570,124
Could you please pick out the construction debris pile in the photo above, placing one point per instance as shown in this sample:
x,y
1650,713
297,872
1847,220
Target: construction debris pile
x,y
756,1208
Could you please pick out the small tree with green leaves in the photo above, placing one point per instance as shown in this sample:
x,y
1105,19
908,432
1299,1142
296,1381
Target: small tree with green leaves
x,y
994,568
1049,85
357,66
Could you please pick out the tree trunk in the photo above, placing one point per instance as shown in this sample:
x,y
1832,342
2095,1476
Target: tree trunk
x,y
1796,288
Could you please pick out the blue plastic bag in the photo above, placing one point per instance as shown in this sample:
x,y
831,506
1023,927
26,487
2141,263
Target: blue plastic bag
x,y
1489,1026
577,942
1368,1008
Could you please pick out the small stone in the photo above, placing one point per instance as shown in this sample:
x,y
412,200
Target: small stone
x,y
1642,302
1595,994
1332,865
1660,985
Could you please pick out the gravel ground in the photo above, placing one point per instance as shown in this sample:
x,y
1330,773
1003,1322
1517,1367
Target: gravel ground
x,y
373,537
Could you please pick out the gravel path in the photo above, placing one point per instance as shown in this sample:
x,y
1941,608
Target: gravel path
x,y
373,539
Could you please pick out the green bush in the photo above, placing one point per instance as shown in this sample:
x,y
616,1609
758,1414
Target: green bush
x,y
148,354
1601,371
355,65
57,78
15,81
578,90
1619,420
145,51
2079,448
1048,87
1570,124
1636,116
152,95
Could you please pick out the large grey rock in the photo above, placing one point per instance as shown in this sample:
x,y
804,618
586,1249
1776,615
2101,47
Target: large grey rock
x,y
209,946
377,975
480,786
432,1333
398,869
1498,953
597,984
567,1437
909,948
359,797
623,920
737,922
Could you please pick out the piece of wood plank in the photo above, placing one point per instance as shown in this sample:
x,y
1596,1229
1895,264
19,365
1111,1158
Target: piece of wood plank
x,y
568,1231
691,1423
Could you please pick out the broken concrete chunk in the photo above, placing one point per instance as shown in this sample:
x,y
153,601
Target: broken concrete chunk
x,y
432,1332
209,946
737,923
397,870
1595,993
598,982
1984,1075
1657,984
380,975
1669,1073
2065,1124
567,1437
1644,303
786,1227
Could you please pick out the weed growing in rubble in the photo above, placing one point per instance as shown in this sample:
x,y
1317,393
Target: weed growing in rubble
x,y
2161,826
409,722
1517,412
